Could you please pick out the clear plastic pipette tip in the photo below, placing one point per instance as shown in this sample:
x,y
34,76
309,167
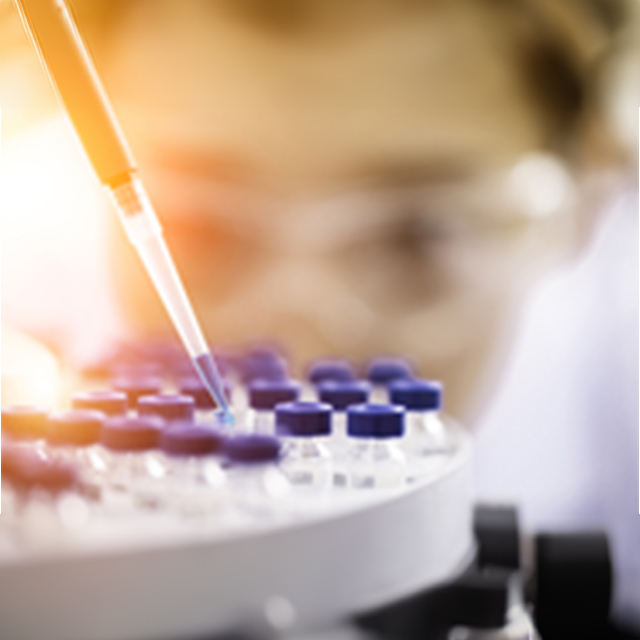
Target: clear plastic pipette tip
x,y
143,230
208,372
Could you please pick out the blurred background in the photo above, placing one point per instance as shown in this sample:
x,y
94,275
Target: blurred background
x,y
452,182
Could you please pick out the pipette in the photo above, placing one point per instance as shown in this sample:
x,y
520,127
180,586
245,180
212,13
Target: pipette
x,y
55,36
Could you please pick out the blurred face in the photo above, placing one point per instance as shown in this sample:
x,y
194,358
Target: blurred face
x,y
346,179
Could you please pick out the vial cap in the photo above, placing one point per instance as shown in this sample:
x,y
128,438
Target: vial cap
x,y
131,434
384,370
187,439
252,449
375,421
79,427
341,395
334,370
108,401
194,387
420,395
265,351
170,406
303,419
24,422
266,394
137,386
262,364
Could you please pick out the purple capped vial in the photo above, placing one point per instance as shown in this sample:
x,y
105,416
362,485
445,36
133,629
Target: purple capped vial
x,y
25,427
169,406
382,371
264,395
72,438
26,471
330,371
194,477
134,463
135,386
41,497
262,364
342,395
110,402
254,479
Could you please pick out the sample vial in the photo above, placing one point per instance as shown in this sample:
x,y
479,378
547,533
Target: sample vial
x,y
41,505
264,395
382,371
426,434
110,402
25,427
341,395
305,428
374,458
330,371
134,465
254,479
194,477
262,364
169,406
72,437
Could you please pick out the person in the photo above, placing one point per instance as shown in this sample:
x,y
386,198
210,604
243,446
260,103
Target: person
x,y
352,182
560,437
361,178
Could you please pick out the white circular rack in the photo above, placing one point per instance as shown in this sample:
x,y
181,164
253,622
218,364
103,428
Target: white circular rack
x,y
350,557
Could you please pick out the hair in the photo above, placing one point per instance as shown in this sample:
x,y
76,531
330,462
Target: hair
x,y
554,43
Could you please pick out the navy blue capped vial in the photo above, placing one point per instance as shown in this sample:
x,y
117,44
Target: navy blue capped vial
x,y
330,370
264,353
416,395
375,421
24,422
252,449
382,371
170,406
108,401
131,434
188,439
303,419
262,364
264,395
341,395
80,427
137,386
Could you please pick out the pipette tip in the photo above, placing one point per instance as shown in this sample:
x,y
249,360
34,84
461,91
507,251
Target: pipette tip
x,y
208,372
225,418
